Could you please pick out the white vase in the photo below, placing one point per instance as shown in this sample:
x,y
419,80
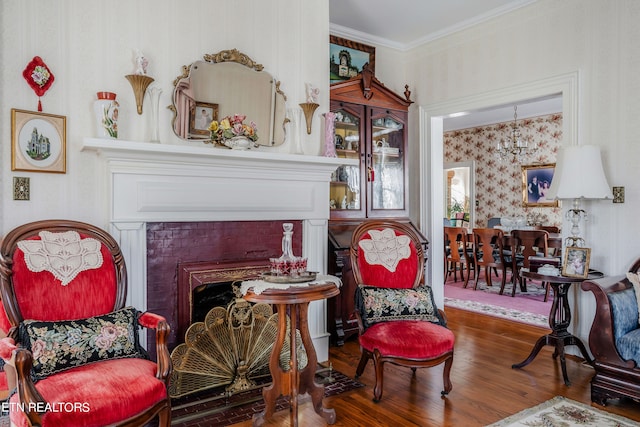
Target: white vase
x,y
295,116
239,143
106,111
154,96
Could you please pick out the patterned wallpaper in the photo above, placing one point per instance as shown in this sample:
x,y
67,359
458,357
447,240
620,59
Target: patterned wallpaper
x,y
499,183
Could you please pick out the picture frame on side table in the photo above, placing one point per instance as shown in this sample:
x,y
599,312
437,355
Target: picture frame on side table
x,y
576,262
347,58
201,116
536,181
38,142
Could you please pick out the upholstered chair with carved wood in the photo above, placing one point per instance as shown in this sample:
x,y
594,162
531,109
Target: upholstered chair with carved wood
x,y
398,320
72,343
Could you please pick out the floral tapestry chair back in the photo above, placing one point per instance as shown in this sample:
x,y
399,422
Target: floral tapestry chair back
x,y
71,338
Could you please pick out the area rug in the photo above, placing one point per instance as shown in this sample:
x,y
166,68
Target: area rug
x,y
563,412
526,307
216,409
497,311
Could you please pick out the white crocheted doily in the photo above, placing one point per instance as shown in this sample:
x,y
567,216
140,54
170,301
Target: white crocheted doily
x,y
259,286
65,255
385,248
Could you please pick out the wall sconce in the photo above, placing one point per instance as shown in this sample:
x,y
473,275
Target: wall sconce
x,y
139,83
309,108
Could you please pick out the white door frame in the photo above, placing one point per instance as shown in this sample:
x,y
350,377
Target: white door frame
x,y
471,164
432,158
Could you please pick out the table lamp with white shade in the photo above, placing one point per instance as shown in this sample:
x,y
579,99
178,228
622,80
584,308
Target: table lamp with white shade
x,y
578,175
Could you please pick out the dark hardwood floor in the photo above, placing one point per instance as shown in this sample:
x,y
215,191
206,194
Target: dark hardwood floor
x,y
485,387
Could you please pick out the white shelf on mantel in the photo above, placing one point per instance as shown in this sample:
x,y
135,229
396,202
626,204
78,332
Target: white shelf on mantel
x,y
207,154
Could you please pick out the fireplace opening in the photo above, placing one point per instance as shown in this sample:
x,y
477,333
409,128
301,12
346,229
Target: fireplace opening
x,y
205,285
210,295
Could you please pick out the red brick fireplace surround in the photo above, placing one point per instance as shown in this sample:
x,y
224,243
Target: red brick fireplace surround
x,y
170,244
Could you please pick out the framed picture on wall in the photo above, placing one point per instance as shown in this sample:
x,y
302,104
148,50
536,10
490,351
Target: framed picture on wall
x,y
536,181
347,58
38,142
202,114
576,262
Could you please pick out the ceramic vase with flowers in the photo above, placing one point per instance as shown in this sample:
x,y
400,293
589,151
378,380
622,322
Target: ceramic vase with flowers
x,y
233,133
106,112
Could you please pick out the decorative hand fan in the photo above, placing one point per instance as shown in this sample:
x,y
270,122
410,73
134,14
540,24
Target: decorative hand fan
x,y
39,77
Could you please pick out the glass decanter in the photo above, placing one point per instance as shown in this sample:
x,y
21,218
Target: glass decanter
x,y
288,264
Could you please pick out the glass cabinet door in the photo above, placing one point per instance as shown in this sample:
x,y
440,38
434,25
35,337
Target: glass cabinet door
x,y
385,169
346,196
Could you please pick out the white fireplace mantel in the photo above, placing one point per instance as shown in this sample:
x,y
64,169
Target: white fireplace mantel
x,y
150,182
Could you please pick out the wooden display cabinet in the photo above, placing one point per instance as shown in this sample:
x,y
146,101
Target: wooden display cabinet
x,y
371,125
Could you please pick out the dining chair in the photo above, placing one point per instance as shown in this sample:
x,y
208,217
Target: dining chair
x,y
488,252
528,243
458,255
548,228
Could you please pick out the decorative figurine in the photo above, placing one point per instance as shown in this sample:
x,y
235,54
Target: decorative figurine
x,y
141,63
312,93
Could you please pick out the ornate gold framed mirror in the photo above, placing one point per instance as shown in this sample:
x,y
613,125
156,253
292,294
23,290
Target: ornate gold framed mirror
x,y
228,83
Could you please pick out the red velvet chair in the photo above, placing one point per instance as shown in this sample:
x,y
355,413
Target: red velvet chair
x,y
77,355
398,320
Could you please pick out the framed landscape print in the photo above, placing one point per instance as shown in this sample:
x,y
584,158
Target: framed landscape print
x,y
38,142
348,57
536,181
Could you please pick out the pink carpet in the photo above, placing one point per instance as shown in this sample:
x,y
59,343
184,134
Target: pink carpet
x,y
527,307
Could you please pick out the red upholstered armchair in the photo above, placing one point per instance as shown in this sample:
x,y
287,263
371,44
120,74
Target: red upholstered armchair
x,y
77,355
398,320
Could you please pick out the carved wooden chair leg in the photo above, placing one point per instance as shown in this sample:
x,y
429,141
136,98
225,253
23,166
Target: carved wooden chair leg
x,y
546,285
379,368
448,386
366,355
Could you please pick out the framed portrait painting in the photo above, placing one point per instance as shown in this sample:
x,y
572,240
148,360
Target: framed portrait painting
x,y
38,142
202,114
576,262
536,181
347,58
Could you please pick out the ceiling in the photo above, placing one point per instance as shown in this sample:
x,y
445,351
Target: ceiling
x,y
405,24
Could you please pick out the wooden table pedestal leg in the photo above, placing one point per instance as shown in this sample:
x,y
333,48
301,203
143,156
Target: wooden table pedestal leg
x,y
295,381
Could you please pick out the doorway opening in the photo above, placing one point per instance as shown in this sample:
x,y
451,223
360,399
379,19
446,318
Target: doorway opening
x,y
432,194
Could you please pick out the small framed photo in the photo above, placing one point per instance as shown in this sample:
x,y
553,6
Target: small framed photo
x,y
347,58
536,181
202,114
576,262
38,142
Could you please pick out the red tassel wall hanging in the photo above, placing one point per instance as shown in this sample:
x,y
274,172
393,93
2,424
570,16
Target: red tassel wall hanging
x,y
39,77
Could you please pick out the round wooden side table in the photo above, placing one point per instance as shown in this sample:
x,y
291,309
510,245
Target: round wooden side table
x,y
559,320
293,382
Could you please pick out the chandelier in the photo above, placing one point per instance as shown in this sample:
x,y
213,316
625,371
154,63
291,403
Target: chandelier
x,y
514,148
